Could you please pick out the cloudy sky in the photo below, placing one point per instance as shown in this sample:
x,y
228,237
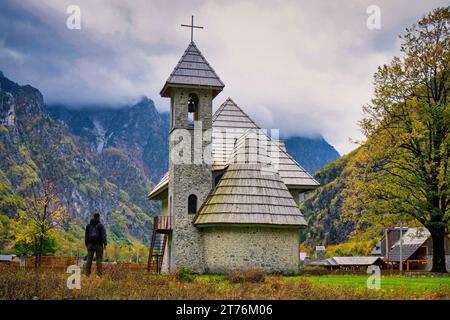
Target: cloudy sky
x,y
302,66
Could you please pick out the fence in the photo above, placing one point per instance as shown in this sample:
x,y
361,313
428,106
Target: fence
x,y
61,264
51,262
108,266
47,262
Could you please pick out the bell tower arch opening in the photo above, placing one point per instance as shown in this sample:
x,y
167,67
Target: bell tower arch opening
x,y
193,109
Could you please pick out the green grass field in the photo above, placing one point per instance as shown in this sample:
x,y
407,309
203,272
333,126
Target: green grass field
x,y
388,283
391,286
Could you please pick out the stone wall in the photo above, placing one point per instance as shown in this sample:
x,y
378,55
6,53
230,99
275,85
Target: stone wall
x,y
245,248
188,178
165,268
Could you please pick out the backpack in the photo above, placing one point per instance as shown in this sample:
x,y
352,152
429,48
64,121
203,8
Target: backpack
x,y
94,234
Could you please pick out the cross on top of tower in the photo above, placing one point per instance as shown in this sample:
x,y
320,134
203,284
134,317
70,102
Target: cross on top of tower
x,y
192,26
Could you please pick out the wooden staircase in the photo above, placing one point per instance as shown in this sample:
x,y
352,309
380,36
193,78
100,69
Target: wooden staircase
x,y
162,226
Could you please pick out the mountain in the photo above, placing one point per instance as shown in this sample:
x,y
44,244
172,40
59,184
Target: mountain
x,y
322,207
35,146
143,133
311,153
101,158
139,131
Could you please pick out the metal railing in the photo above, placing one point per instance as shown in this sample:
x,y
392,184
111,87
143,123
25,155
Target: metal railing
x,y
163,223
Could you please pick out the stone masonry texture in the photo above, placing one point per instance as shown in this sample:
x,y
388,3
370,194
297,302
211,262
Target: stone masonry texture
x,y
234,248
186,179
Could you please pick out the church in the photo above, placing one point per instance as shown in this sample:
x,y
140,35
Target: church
x,y
237,208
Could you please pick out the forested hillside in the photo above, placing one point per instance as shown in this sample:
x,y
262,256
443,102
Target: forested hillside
x,y
36,148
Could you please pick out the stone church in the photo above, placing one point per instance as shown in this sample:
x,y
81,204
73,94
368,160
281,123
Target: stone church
x,y
236,209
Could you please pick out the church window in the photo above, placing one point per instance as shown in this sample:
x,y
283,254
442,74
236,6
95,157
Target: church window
x,y
192,109
192,204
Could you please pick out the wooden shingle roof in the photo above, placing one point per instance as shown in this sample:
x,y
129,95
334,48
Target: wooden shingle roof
x,y
413,239
230,123
193,70
347,261
248,195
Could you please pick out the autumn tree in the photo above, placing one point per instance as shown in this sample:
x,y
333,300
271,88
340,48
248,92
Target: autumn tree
x,y
37,223
405,167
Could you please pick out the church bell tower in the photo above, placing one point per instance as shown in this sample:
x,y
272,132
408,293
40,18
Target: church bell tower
x,y
191,87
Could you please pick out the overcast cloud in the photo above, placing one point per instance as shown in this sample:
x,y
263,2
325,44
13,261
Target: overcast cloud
x,y
302,66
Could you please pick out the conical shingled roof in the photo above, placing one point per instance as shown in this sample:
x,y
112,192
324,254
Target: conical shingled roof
x,y
229,115
229,123
193,70
248,195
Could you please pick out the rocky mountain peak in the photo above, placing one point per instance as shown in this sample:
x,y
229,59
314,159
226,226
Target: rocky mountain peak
x,y
145,101
26,100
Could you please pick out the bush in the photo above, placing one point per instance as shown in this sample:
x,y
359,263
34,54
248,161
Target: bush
x,y
247,276
184,274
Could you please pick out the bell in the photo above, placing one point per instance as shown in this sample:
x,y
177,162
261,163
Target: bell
x,y
191,105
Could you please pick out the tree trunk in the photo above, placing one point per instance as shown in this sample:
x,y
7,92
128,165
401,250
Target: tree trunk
x,y
438,237
39,252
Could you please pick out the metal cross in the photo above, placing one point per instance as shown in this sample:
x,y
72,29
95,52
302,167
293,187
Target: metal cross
x,y
192,26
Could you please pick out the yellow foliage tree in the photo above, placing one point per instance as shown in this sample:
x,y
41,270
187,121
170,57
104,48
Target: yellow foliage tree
x,y
43,214
351,248
404,169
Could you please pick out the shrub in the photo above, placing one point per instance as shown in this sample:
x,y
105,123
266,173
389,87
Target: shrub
x,y
184,274
246,276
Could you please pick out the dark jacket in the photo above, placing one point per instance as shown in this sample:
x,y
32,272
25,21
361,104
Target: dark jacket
x,y
95,223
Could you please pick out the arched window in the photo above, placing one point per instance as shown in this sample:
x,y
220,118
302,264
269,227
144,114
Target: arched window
x,y
192,204
192,108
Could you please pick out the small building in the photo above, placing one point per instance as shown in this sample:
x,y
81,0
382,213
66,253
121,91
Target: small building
x,y
8,258
320,252
393,235
416,250
349,263
303,256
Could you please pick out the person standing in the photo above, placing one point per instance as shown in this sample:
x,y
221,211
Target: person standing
x,y
95,240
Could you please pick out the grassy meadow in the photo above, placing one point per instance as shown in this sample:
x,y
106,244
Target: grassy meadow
x,y
120,284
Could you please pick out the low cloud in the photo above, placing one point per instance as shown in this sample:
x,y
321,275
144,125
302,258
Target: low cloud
x,y
305,68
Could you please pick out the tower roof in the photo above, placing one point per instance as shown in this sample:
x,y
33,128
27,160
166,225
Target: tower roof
x,y
229,115
249,192
230,123
194,71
